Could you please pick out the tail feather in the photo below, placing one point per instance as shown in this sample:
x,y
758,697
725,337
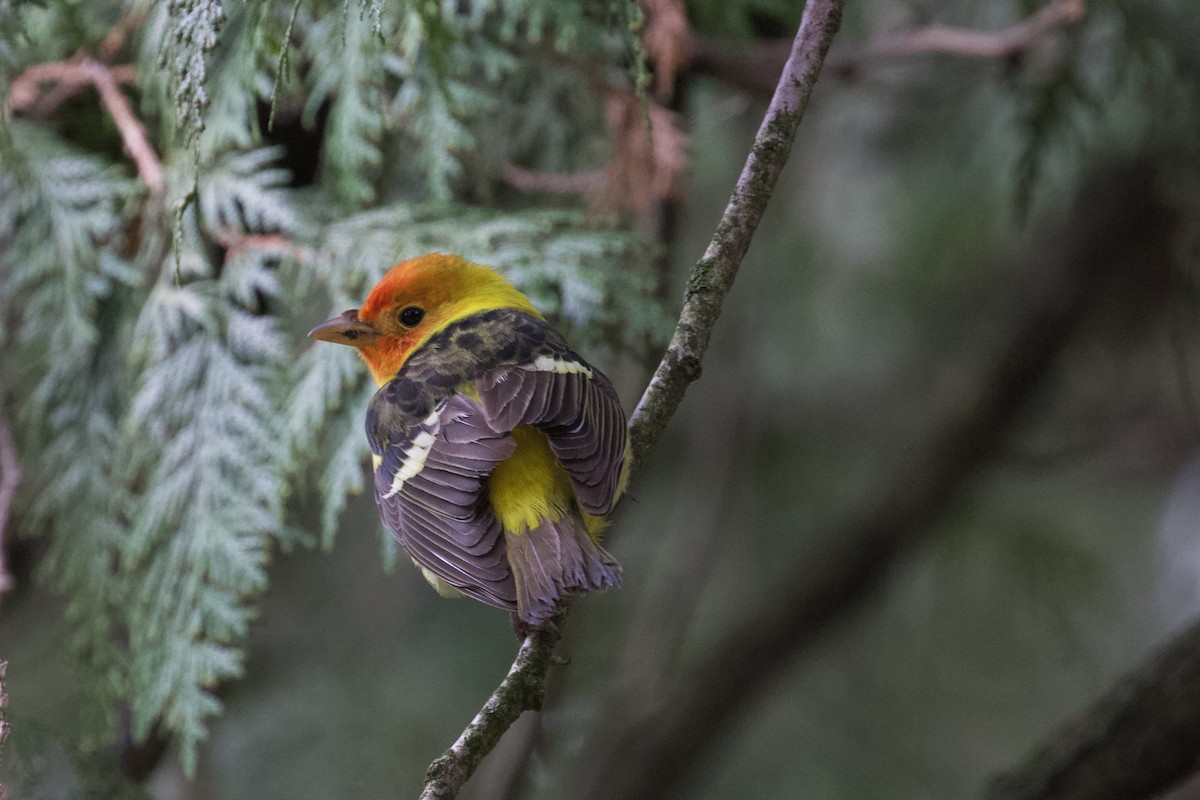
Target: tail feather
x,y
554,561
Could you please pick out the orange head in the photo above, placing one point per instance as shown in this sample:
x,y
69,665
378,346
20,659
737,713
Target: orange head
x,y
413,301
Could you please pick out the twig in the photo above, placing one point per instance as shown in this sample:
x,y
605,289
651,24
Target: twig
x,y
648,156
70,77
523,689
753,66
10,479
528,180
1136,742
133,134
713,275
668,40
115,39
966,43
27,86
138,758
236,243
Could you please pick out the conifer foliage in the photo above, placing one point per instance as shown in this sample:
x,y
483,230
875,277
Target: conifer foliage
x,y
156,379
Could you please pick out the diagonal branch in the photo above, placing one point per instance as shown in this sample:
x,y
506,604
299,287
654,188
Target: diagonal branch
x,y
73,75
652,757
710,281
523,689
1136,742
713,275
133,133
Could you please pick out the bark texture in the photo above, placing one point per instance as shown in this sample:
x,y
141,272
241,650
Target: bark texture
x,y
1137,741
713,275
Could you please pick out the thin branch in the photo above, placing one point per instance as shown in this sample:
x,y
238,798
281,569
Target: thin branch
x,y
115,39
753,66
236,243
10,479
713,275
506,775
652,758
1137,741
133,134
524,687
529,180
966,43
649,153
70,77
27,86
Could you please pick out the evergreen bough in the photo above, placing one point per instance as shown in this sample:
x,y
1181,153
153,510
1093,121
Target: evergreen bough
x,y
165,401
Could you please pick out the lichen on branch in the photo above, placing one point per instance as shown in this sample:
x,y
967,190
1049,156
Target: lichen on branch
x,y
713,275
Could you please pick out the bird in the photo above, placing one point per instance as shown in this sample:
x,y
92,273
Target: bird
x,y
499,453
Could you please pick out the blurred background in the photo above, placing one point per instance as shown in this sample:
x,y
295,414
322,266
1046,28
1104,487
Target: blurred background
x,y
956,380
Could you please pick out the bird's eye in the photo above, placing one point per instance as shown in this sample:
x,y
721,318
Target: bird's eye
x,y
411,317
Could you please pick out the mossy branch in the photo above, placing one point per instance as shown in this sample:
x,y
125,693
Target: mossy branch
x,y
713,275
710,280
523,689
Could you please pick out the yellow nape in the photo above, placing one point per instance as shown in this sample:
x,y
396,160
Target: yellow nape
x,y
466,288
529,486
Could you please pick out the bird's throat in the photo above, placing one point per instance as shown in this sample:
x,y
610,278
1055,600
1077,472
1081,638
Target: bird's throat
x,y
387,355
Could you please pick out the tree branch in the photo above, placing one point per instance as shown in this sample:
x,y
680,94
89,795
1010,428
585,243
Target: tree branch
x,y
753,66
523,689
713,275
651,757
132,132
235,243
1136,742
530,180
966,43
711,278
72,76
68,78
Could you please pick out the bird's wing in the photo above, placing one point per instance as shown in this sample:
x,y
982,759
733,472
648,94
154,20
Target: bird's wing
x,y
577,408
429,487
437,446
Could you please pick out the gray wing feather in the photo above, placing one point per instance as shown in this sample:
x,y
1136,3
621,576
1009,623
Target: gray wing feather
x,y
440,513
580,415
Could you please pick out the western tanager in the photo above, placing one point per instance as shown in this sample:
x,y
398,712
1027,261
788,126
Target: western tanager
x,y
499,453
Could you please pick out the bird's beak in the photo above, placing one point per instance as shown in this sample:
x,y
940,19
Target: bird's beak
x,y
345,328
